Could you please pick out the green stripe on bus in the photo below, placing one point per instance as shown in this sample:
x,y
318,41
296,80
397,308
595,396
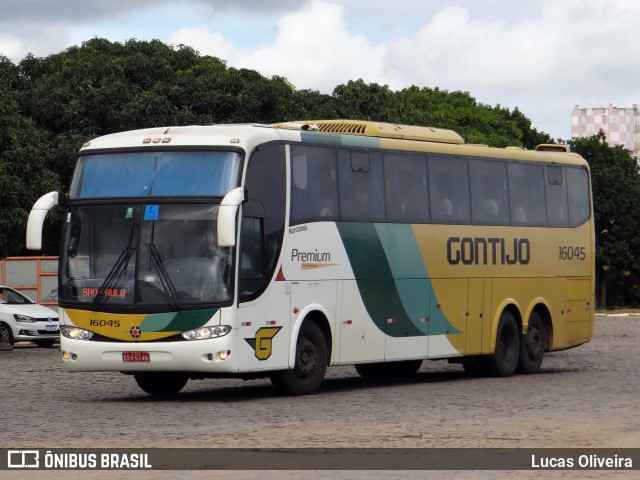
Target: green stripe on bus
x,y
393,280
412,278
375,280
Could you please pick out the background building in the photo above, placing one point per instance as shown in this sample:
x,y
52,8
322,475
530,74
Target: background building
x,y
620,125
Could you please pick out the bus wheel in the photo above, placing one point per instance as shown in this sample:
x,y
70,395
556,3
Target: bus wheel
x,y
532,345
504,361
311,363
156,383
388,369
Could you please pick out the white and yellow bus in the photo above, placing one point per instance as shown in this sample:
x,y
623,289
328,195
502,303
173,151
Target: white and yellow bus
x,y
277,251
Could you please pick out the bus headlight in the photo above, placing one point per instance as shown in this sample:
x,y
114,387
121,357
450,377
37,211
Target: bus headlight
x,y
204,333
75,333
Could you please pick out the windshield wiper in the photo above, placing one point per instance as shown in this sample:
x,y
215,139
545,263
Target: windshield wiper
x,y
165,279
114,274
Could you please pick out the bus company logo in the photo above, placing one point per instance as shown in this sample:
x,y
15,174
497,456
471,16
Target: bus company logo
x,y
488,251
135,332
262,343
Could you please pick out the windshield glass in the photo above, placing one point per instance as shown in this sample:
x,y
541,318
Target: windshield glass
x,y
148,173
163,254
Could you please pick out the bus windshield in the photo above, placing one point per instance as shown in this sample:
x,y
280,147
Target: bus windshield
x,y
154,174
160,254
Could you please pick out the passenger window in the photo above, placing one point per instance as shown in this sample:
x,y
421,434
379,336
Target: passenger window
x,y
526,193
314,189
360,181
406,187
557,210
578,190
489,195
449,189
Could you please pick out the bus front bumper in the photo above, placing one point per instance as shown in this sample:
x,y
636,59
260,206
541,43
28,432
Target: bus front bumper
x,y
216,355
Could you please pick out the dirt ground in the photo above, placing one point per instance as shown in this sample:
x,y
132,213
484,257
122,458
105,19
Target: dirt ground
x,y
587,397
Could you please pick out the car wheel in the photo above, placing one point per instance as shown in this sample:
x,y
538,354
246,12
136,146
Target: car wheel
x,y
5,330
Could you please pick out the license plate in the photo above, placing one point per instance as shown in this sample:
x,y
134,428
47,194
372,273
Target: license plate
x,y
136,357
51,328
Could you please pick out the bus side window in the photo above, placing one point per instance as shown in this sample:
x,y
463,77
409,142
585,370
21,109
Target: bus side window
x,y
263,219
578,190
489,196
360,184
314,190
556,194
406,187
526,194
448,189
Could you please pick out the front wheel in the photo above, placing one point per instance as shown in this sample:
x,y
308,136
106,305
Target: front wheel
x,y
505,358
310,366
5,331
164,384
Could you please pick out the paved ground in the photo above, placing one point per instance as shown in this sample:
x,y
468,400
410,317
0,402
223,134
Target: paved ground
x,y
584,397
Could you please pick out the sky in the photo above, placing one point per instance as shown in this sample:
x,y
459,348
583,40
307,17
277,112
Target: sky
x,y
541,56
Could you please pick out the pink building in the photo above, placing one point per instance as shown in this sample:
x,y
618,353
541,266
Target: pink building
x,y
620,125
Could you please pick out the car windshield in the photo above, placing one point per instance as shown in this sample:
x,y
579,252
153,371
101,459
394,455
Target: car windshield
x,y
163,254
13,297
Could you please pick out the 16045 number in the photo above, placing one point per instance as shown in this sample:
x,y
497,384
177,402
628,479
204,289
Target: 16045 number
x,y
572,253
104,323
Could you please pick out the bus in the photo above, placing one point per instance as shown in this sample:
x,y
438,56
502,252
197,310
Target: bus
x,y
255,251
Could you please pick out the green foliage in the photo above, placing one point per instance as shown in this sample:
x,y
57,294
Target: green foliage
x,y
616,194
50,106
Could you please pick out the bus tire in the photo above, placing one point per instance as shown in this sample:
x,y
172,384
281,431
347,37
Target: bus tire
x,y
504,361
310,363
388,369
532,345
159,383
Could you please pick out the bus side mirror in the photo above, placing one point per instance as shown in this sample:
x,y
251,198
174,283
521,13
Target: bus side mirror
x,y
36,219
227,214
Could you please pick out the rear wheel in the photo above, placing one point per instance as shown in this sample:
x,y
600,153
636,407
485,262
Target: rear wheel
x,y
156,383
310,366
532,345
5,330
388,369
505,358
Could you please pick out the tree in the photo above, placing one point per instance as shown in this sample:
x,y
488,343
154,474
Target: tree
x,y
615,178
25,156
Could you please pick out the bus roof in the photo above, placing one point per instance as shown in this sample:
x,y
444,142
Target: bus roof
x,y
353,133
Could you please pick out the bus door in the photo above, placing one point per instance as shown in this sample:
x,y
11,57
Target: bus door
x,y
264,329
478,316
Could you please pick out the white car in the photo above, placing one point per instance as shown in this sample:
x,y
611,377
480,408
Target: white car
x,y
21,319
